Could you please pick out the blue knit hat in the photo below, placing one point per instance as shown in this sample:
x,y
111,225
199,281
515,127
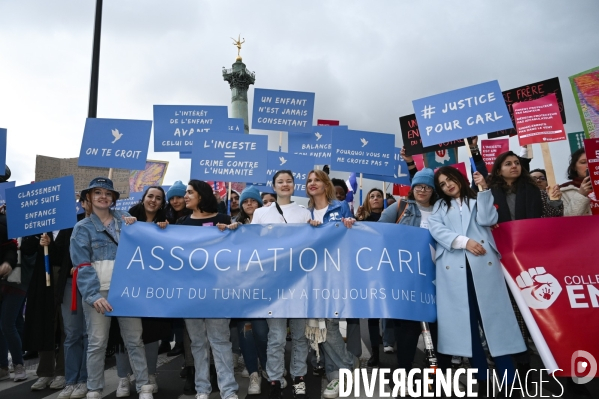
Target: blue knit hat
x,y
177,190
425,176
250,192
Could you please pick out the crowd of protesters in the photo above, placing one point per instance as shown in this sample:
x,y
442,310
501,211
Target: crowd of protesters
x,y
65,323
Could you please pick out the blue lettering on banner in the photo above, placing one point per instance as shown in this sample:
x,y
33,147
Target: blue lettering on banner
x,y
282,110
3,187
115,143
175,126
41,207
363,152
3,135
286,270
230,157
457,114
400,174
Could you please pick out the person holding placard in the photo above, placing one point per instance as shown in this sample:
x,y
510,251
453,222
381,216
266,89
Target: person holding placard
x,y
209,333
575,193
285,211
324,208
93,249
469,278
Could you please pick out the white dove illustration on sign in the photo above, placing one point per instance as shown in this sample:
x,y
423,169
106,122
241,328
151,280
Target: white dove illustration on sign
x,y
117,135
364,142
283,160
399,174
318,136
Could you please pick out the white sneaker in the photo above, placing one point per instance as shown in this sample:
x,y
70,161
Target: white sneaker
x,y
80,391
152,381
20,373
41,383
146,392
332,390
59,382
66,392
388,349
255,387
202,396
94,395
123,390
245,373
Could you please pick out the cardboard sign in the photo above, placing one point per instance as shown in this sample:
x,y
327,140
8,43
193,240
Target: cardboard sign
x,y
283,110
128,203
412,141
316,144
175,126
3,187
585,87
575,140
591,149
2,149
530,92
466,112
235,125
152,175
439,158
47,168
300,165
364,152
41,207
326,122
400,175
490,149
115,143
538,121
230,157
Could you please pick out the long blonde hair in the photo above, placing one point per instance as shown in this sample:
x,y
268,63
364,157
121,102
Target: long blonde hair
x,y
329,190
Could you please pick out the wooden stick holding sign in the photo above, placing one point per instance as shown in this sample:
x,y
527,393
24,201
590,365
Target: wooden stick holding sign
x,y
548,170
360,188
472,164
110,173
281,141
229,200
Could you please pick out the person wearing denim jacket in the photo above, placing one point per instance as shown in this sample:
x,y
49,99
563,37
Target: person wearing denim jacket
x,y
93,249
325,209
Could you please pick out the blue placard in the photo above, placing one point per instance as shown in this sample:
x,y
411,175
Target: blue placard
x,y
300,165
175,126
364,152
2,149
457,114
376,270
41,207
436,159
115,143
185,155
230,157
3,187
126,203
316,144
282,110
400,175
235,125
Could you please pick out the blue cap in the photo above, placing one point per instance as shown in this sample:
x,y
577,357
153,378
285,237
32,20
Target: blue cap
x,y
177,190
101,182
425,176
250,192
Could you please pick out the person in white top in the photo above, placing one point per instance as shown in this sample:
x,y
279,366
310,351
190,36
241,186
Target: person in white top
x,y
285,211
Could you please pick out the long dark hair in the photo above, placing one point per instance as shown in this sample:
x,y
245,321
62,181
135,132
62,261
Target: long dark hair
x,y
496,180
572,173
208,203
172,215
242,217
457,177
366,209
139,211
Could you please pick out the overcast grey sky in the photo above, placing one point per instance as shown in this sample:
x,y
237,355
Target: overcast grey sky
x,y
366,61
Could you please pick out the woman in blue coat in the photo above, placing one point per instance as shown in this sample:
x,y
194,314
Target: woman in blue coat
x,y
470,282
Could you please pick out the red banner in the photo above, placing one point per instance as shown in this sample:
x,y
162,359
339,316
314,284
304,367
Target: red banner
x,y
327,122
551,268
591,148
491,148
539,121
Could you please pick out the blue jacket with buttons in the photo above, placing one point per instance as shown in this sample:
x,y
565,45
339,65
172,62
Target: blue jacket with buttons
x,y
336,211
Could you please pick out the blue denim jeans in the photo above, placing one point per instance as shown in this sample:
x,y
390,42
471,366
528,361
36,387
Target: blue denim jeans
x,y
253,342
10,340
75,342
123,365
98,327
300,346
214,333
336,355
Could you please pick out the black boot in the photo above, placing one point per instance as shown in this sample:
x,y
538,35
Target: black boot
x,y
176,351
275,390
374,359
214,379
190,385
164,347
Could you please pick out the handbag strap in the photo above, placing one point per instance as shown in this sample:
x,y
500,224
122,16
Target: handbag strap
x,y
401,209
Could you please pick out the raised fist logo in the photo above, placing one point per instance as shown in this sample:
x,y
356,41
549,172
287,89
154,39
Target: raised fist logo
x,y
539,288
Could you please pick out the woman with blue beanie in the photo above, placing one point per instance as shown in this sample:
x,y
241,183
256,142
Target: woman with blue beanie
x,y
175,207
249,201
